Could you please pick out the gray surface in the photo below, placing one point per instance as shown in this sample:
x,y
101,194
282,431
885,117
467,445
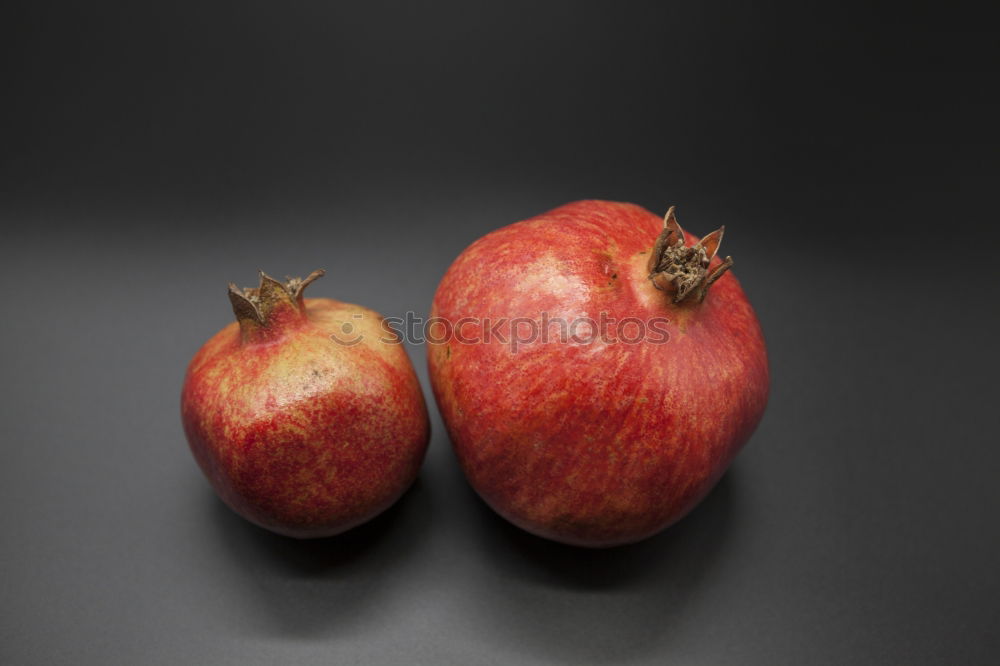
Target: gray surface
x,y
859,524
155,154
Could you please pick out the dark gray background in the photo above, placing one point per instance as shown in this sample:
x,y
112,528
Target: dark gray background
x,y
153,152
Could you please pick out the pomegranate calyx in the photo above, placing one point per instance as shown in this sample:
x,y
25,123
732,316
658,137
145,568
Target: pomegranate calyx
x,y
270,305
683,271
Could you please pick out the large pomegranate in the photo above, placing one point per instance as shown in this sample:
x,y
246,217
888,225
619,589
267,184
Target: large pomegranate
x,y
304,415
597,369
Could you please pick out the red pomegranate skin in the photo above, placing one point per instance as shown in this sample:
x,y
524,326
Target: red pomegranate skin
x,y
593,444
299,434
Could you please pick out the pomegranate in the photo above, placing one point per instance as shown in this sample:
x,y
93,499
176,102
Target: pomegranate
x,y
605,432
305,417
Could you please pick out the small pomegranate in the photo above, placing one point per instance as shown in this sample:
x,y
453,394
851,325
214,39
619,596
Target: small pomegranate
x,y
598,372
303,414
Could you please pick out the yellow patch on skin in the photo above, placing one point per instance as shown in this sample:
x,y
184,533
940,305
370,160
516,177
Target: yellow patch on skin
x,y
650,298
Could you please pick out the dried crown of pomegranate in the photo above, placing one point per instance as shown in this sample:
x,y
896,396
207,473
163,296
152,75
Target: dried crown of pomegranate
x,y
681,270
259,308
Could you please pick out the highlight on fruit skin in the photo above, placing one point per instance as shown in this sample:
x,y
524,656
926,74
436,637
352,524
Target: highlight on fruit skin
x,y
604,440
299,430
